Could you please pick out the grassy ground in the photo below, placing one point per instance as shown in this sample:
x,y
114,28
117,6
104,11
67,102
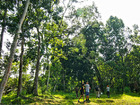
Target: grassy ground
x,y
70,99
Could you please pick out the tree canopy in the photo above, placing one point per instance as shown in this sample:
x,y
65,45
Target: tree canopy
x,y
55,46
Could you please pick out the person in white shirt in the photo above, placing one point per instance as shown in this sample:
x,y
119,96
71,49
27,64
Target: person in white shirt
x,y
108,91
87,87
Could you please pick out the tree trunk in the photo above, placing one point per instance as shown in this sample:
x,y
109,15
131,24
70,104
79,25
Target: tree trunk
x,y
20,68
64,80
55,85
35,90
99,78
12,52
48,76
3,29
92,84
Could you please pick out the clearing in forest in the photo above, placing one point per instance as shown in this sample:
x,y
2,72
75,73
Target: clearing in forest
x,y
70,99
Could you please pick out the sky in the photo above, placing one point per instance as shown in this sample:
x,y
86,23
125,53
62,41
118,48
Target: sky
x,y
127,10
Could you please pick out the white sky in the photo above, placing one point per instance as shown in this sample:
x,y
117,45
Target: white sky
x,y
127,10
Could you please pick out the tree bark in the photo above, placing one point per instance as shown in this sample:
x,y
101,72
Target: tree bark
x,y
55,85
35,90
92,84
12,52
3,29
64,80
99,78
48,75
20,68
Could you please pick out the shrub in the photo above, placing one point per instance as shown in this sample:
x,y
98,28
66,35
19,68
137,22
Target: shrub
x,y
127,89
23,92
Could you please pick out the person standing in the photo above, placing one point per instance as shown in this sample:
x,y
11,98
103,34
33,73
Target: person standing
x,y
87,86
82,92
108,91
97,91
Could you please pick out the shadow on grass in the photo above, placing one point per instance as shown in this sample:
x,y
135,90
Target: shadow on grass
x,y
116,96
13,99
81,102
100,101
133,94
109,101
112,96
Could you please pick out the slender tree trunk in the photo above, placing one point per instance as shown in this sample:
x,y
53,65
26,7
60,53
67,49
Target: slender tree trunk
x,y
99,78
12,52
64,80
55,85
20,68
48,76
35,91
124,77
92,84
3,29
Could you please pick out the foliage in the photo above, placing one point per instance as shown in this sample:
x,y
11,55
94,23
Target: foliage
x,y
66,46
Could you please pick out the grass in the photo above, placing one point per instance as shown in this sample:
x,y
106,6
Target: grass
x,y
62,98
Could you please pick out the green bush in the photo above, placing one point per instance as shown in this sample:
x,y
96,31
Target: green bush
x,y
16,101
127,90
23,92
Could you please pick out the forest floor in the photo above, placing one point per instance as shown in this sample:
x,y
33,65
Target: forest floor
x,y
70,99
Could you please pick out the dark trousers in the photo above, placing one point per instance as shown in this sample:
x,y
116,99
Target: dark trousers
x,y
108,94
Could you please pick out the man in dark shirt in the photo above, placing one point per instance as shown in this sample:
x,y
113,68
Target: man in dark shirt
x,y
82,92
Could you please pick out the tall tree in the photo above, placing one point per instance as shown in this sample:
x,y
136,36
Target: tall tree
x,y
92,33
3,26
21,65
35,91
12,51
114,49
22,40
